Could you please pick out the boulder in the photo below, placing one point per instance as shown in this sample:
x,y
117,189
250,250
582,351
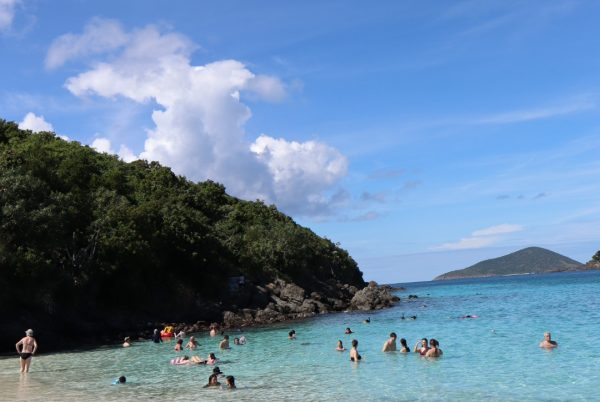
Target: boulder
x,y
292,293
372,298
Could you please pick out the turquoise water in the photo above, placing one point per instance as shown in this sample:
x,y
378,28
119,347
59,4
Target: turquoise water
x,y
494,357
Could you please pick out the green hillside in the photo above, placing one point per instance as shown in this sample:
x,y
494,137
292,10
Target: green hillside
x,y
525,261
87,240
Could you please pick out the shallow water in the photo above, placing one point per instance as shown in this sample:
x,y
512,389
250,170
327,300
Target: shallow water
x,y
494,357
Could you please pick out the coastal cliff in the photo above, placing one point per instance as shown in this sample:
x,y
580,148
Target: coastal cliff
x,y
526,261
91,247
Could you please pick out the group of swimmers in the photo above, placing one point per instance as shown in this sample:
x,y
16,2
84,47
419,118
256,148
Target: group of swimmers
x,y
422,347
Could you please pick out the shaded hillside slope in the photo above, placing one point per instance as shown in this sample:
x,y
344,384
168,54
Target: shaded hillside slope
x,y
88,242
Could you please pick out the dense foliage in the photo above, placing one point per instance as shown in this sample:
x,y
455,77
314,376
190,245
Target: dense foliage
x,y
83,232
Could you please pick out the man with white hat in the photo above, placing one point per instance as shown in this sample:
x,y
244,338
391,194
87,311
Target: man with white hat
x,y
28,347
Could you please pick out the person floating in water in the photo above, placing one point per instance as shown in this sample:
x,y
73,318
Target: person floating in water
x,y
348,331
292,334
548,343
390,344
354,355
28,348
340,346
434,349
212,359
367,321
120,380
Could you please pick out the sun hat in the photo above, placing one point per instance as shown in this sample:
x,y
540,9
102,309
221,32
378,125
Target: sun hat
x,y
217,370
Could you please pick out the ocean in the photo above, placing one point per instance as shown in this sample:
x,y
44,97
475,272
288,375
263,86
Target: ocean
x,y
494,357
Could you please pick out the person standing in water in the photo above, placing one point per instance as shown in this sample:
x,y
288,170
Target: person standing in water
x,y
354,355
434,349
390,344
548,343
28,347
225,342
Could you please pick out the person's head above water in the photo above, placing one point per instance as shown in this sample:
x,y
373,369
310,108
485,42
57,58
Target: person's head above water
x,y
403,342
122,379
393,335
226,337
230,381
354,343
434,343
212,356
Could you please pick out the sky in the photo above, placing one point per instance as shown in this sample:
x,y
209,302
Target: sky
x,y
421,136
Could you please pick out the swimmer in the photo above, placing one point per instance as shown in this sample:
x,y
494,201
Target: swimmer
x,y
156,338
179,345
340,346
236,341
120,380
413,317
548,343
354,355
192,344
217,371
28,347
127,342
348,331
292,334
390,344
242,340
213,329
404,348
224,343
422,350
434,350
182,360
213,381
367,321
230,381
180,335
211,359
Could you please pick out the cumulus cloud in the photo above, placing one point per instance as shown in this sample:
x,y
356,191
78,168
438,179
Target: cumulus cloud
x,y
99,36
7,13
104,145
482,237
199,121
35,123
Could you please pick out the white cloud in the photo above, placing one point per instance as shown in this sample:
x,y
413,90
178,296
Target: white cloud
x,y
199,122
7,13
518,116
99,36
35,123
104,145
498,229
481,238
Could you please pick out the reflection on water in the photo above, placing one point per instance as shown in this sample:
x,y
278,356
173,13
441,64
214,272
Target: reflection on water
x,y
493,357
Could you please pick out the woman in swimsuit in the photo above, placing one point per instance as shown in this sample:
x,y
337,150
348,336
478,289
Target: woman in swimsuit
x,y
179,345
191,345
354,355
422,350
434,350
404,347
340,346
212,359
28,347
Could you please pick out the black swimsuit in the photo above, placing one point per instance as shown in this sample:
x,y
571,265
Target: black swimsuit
x,y
26,356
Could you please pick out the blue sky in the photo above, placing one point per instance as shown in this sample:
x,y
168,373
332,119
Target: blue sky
x,y
422,136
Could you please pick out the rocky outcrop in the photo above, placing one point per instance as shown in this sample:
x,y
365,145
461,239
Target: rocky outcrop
x,y
373,297
288,301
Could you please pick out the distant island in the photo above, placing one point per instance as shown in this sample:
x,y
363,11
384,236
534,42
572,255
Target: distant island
x,y
530,260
